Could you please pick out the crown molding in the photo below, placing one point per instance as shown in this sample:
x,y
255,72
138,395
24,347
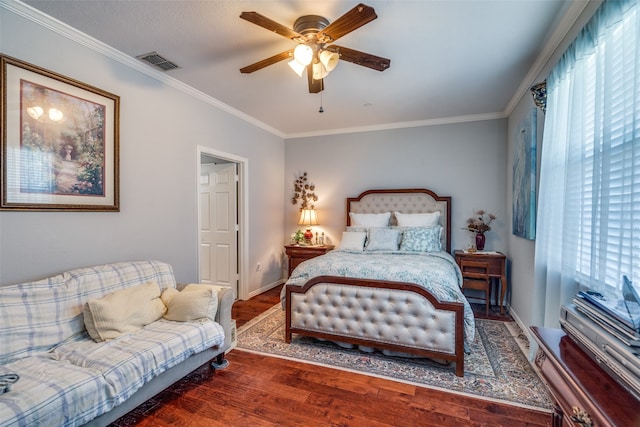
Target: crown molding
x,y
400,125
568,20
77,36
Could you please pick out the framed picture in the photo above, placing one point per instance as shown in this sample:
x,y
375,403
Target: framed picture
x,y
524,177
60,147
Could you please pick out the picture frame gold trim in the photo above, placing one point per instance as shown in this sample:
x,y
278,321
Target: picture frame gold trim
x,y
60,142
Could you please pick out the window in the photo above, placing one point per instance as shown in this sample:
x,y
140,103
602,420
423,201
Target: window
x,y
589,207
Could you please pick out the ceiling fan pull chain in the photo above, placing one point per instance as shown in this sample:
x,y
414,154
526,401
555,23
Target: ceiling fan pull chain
x,y
321,110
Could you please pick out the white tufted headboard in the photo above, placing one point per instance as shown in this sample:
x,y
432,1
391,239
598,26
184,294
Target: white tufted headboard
x,y
415,200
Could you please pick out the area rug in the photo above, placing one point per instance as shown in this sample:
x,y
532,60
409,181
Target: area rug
x,y
496,369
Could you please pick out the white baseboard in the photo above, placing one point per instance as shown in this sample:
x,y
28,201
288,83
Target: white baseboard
x,y
532,344
265,288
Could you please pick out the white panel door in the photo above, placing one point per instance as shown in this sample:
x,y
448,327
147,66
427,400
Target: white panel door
x,y
218,226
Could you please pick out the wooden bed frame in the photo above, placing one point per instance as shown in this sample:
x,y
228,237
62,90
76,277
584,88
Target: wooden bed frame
x,y
306,314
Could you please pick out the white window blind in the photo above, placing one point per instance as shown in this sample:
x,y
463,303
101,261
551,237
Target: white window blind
x,y
589,202
609,176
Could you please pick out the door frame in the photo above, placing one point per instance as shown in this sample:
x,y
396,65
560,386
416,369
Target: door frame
x,y
243,212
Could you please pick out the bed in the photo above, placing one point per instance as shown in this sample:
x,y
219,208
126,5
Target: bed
x,y
404,301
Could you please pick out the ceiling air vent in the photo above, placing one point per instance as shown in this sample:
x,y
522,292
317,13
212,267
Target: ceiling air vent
x,y
158,61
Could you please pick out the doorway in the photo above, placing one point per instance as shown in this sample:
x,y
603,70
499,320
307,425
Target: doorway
x,y
222,220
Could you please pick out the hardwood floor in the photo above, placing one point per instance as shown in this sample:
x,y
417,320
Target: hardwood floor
x,y
258,390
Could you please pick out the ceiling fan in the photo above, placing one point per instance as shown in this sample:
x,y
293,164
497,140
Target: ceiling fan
x,y
315,51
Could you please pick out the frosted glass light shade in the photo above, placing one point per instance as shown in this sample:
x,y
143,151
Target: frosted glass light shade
x,y
303,54
319,72
329,60
297,67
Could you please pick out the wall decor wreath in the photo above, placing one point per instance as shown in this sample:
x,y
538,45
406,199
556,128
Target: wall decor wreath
x,y
304,192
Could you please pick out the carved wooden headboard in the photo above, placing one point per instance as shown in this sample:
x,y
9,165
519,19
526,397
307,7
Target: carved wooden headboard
x,y
414,200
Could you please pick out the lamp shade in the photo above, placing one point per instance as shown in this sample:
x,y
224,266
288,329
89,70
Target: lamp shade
x,y
303,54
319,72
308,217
329,60
297,67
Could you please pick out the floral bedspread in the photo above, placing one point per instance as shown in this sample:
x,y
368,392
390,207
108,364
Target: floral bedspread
x,y
437,272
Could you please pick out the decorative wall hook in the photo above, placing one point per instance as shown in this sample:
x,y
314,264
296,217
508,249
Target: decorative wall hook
x,y
539,93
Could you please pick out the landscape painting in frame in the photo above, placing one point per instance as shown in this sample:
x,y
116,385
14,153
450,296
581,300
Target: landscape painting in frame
x,y
60,142
524,178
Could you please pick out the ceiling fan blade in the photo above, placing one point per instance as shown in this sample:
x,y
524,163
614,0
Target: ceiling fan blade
x,y
315,86
264,22
266,62
361,58
352,20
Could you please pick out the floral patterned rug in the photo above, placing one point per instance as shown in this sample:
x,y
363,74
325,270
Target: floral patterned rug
x,y
496,369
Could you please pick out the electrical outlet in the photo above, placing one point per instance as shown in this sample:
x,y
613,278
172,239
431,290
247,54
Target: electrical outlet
x,y
258,267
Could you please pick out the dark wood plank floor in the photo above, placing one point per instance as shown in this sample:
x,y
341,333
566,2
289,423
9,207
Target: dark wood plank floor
x,y
264,391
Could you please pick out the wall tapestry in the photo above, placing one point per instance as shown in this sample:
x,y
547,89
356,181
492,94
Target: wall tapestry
x,y
59,142
524,177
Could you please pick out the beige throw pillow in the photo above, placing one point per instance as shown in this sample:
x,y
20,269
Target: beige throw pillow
x,y
123,311
194,302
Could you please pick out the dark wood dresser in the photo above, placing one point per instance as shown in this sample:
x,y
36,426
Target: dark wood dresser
x,y
584,393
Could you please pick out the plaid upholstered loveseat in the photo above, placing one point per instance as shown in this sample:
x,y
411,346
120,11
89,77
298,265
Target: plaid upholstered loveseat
x,y
66,377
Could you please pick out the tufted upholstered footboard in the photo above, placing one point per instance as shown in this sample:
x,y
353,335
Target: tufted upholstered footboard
x,y
397,316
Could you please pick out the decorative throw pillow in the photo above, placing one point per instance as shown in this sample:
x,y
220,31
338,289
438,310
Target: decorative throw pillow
x,y
370,220
167,295
383,239
421,239
123,311
353,240
194,302
418,220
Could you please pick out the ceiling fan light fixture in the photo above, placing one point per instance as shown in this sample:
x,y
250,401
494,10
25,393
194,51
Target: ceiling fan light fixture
x,y
312,33
319,71
297,67
303,54
329,60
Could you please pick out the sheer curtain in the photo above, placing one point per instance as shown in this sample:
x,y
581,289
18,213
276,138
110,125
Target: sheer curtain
x,y
588,231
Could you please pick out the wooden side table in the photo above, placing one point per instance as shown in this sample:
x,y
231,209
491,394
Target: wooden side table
x,y
297,253
497,268
584,394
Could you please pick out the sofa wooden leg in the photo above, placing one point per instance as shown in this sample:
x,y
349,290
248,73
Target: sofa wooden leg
x,y
220,362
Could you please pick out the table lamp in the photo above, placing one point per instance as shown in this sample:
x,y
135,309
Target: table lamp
x,y
308,218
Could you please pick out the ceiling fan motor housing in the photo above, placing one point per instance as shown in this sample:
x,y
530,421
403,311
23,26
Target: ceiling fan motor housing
x,y
310,25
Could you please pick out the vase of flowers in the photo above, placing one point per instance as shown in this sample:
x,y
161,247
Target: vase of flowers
x,y
479,224
480,239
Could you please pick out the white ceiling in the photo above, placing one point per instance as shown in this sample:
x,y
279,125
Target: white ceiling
x,y
450,60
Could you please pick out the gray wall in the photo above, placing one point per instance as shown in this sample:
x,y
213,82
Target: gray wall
x,y
466,161
160,128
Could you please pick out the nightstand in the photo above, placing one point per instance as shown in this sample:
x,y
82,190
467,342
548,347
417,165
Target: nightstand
x,y
297,253
497,267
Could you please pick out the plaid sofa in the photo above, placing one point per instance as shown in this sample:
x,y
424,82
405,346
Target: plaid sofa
x,y
67,379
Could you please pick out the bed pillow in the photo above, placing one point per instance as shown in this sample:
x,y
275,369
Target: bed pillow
x,y
421,239
353,240
370,220
352,228
123,311
194,302
430,219
383,239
